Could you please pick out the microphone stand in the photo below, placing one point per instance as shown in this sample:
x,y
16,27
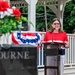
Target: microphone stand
x,y
52,38
53,35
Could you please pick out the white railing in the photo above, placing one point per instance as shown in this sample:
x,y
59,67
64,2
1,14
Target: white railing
x,y
69,53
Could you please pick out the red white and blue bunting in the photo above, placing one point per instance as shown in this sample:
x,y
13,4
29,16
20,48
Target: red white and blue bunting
x,y
32,38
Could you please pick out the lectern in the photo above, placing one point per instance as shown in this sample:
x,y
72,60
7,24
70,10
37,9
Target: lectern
x,y
52,58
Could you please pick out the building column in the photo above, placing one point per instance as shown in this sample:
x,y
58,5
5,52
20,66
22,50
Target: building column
x,y
8,1
32,14
61,6
60,10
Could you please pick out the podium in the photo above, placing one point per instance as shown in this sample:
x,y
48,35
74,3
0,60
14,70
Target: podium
x,y
52,58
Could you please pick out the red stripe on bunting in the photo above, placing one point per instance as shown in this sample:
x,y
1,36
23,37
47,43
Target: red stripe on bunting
x,y
13,39
28,34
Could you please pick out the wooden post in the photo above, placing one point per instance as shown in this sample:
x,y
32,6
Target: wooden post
x,y
45,16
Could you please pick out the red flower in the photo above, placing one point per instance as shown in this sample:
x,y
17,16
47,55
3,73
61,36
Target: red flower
x,y
16,12
4,5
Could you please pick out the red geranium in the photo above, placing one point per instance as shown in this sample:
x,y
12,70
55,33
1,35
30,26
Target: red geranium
x,y
4,5
16,12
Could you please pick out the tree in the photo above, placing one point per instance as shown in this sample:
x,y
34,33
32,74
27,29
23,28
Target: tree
x,y
73,1
69,17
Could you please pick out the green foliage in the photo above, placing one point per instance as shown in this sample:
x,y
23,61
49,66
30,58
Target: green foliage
x,y
69,17
10,23
40,9
73,1
40,17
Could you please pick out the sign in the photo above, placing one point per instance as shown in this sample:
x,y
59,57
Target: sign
x,y
25,55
